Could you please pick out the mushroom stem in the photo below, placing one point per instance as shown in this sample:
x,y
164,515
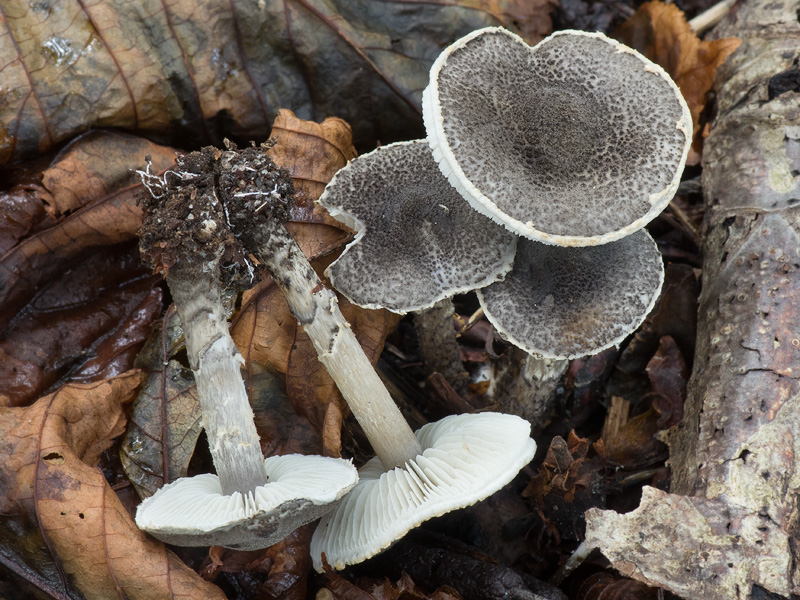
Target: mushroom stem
x,y
317,310
438,345
216,362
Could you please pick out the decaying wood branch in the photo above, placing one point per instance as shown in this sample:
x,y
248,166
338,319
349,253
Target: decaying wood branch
x,y
728,527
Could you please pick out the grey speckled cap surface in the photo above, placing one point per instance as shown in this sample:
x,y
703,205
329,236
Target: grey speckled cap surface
x,y
576,141
418,241
570,302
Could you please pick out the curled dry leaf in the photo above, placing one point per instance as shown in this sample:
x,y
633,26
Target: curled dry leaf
x,y
57,504
279,572
605,586
569,481
662,33
264,329
367,588
200,72
23,210
635,444
85,324
165,417
103,213
566,468
669,377
312,153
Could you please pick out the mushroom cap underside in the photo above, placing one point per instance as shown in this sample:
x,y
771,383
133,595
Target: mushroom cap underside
x,y
576,141
417,240
465,458
192,511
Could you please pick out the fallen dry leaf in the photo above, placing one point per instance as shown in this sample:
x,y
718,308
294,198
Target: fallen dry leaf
x,y
312,152
23,210
669,377
605,586
568,482
56,503
279,572
165,417
199,72
367,588
107,216
635,444
86,324
281,427
662,33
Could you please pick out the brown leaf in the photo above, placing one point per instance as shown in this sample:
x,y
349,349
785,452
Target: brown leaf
x,y
367,588
59,505
281,427
279,572
106,219
662,33
566,469
669,377
312,152
165,417
85,324
290,566
201,72
605,586
634,445
23,211
530,17
404,589
568,482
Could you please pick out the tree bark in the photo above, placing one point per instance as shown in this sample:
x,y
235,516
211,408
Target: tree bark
x,y
728,528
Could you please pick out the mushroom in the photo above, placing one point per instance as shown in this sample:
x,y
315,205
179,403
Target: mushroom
x,y
466,458
417,243
194,511
184,234
576,141
458,458
562,303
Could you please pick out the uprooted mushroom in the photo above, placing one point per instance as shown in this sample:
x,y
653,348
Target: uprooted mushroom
x,y
415,476
250,503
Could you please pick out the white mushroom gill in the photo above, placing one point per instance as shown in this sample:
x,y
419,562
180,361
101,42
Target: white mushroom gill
x,y
465,458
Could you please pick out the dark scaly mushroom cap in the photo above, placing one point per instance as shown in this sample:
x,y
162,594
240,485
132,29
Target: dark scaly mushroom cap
x,y
576,141
417,240
569,302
